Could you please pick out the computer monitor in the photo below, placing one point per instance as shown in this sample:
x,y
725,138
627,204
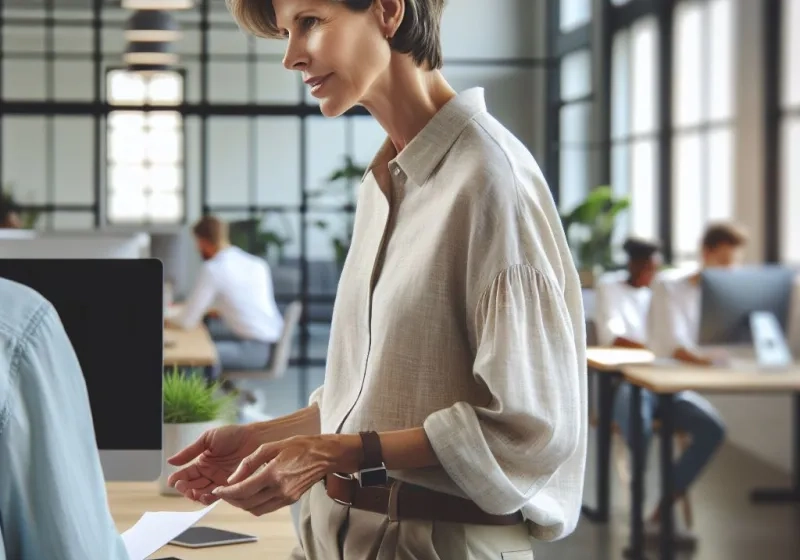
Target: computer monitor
x,y
748,306
112,311
76,246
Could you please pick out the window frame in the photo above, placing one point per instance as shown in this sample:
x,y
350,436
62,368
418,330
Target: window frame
x,y
182,165
631,138
703,129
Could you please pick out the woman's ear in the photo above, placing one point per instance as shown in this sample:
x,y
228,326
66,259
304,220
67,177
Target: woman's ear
x,y
391,14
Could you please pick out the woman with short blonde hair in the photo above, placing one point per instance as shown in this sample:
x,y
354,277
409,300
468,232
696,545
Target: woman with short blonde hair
x,y
452,421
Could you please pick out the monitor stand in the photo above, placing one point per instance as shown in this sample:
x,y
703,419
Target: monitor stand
x,y
769,343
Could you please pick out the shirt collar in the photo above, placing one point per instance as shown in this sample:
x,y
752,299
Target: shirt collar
x,y
427,149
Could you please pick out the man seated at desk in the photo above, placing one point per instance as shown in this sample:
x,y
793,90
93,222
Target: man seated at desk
x,y
672,326
239,287
623,303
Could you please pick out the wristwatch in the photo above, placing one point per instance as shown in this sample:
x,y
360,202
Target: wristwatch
x,y
372,471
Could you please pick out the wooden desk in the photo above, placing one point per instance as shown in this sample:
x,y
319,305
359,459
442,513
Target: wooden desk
x,y
666,381
609,359
189,347
607,363
275,532
739,379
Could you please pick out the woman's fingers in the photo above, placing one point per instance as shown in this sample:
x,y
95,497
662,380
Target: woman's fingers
x,y
188,453
253,462
197,484
258,499
247,488
268,507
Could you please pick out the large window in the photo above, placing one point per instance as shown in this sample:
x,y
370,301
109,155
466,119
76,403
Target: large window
x,y
790,132
145,157
574,14
634,127
575,118
703,120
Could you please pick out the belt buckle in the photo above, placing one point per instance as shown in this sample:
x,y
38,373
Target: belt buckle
x,y
348,477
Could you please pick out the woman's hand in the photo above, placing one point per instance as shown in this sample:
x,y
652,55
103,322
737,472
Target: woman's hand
x,y
211,460
278,474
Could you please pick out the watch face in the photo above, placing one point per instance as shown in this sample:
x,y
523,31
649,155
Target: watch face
x,y
373,477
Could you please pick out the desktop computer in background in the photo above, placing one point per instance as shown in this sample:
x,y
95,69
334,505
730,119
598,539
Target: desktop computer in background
x,y
749,306
112,311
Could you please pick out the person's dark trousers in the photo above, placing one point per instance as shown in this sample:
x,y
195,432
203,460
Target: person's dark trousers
x,y
236,353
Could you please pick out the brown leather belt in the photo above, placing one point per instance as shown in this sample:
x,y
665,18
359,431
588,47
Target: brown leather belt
x,y
400,500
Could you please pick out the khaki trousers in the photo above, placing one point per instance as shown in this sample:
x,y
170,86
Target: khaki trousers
x,y
331,531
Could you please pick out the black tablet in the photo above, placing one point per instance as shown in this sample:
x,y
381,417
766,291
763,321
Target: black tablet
x,y
201,537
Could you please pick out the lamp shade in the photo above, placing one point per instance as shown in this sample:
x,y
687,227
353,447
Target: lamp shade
x,y
152,25
150,53
156,4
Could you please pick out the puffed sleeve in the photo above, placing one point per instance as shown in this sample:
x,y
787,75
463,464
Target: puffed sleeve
x,y
504,453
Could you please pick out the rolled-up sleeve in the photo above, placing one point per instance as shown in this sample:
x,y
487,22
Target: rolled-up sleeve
x,y
502,454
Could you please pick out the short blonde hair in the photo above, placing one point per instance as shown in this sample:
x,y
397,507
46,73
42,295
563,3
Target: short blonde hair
x,y
418,34
211,229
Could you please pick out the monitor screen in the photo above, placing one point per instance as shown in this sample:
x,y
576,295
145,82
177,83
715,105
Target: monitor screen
x,y
112,311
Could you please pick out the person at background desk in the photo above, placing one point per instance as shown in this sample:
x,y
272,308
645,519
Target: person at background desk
x,y
452,419
672,326
246,321
53,501
623,303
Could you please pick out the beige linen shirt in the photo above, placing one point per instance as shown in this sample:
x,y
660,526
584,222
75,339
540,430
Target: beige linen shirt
x,y
459,310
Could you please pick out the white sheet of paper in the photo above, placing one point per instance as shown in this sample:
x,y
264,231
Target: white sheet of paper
x,y
156,529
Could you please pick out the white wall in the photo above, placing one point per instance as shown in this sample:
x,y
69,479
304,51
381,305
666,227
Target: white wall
x,y
470,30
759,424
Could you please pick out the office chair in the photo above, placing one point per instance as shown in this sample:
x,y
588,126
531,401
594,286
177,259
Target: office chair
x,y
280,356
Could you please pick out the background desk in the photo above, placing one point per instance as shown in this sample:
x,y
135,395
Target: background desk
x,y
665,382
192,348
275,532
606,364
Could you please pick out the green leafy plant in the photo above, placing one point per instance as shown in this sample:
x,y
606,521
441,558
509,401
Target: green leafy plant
x,y
590,225
249,236
345,179
29,218
188,398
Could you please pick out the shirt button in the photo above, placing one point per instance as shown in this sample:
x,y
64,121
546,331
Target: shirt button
x,y
396,170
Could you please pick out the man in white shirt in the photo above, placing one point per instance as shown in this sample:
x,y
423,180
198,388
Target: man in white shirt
x,y
623,300
239,287
673,324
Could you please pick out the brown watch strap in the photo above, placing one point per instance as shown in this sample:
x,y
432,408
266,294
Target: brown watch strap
x,y
373,454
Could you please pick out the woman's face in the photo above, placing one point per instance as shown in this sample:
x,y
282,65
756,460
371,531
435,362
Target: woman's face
x,y
341,53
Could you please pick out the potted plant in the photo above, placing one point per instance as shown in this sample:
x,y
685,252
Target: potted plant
x,y
249,236
346,178
191,406
589,227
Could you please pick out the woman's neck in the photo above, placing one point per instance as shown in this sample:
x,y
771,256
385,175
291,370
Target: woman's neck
x,y
405,99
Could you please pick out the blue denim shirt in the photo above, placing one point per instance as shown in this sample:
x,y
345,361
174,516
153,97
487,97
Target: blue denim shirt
x,y
53,501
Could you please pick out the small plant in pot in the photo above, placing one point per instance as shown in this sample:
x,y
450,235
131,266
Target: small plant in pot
x,y
590,227
191,406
